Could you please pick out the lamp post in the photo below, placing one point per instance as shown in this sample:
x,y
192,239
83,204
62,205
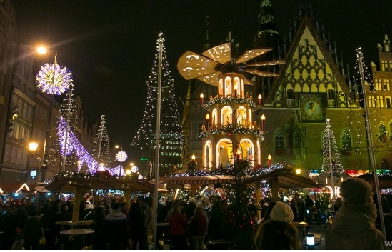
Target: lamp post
x,y
201,98
259,99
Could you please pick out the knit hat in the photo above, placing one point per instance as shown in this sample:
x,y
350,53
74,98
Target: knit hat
x,y
356,191
282,212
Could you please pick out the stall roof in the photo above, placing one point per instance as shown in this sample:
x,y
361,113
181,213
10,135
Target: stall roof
x,y
385,181
287,180
13,187
67,184
217,179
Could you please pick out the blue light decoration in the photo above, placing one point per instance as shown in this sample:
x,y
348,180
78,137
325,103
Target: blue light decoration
x,y
73,145
115,171
54,79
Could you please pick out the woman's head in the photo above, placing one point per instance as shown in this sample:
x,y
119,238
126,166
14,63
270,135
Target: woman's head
x,y
199,211
277,235
282,212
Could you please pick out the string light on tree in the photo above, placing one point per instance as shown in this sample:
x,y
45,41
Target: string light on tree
x,y
101,144
171,134
331,167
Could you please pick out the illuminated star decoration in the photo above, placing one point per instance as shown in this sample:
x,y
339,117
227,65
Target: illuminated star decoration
x,y
53,79
121,156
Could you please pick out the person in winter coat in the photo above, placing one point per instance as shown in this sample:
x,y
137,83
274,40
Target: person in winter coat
x,y
198,229
32,231
353,227
278,232
177,225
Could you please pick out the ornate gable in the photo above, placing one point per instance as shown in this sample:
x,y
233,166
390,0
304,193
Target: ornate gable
x,y
310,68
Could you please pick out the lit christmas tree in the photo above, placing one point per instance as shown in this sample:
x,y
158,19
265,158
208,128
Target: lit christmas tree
x,y
101,150
68,112
331,155
171,135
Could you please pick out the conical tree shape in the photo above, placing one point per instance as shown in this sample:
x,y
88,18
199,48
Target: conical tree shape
x,y
171,134
331,155
101,150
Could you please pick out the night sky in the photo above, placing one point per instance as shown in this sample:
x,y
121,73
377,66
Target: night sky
x,y
109,46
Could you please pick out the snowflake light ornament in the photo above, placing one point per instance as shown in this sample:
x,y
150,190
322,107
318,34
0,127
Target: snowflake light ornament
x,y
121,156
54,79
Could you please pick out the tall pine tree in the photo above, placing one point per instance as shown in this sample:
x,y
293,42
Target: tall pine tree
x,y
331,155
171,135
68,112
101,151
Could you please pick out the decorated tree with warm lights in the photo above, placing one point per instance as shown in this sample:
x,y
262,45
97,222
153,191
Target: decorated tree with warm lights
x,y
331,155
171,135
101,151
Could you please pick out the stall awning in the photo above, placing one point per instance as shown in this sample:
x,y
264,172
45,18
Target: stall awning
x,y
13,187
286,179
123,184
203,180
385,181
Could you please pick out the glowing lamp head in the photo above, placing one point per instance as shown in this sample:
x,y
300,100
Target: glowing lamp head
x,y
298,171
101,167
41,50
193,157
259,96
207,116
201,95
33,146
269,157
262,117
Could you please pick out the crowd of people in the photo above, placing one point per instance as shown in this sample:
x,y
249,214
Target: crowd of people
x,y
192,224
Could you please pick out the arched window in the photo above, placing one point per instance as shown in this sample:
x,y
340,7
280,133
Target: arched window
x,y
290,94
297,140
279,142
346,139
384,165
331,95
382,131
226,115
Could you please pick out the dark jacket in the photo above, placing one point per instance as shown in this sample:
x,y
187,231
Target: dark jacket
x,y
32,228
198,225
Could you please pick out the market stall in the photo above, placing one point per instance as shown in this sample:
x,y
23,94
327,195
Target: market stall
x,y
79,184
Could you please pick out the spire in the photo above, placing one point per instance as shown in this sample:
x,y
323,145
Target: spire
x,y
229,39
207,41
266,16
267,28
387,43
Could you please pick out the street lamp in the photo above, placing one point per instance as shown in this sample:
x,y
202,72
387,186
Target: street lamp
x,y
269,160
41,50
201,98
33,146
259,99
